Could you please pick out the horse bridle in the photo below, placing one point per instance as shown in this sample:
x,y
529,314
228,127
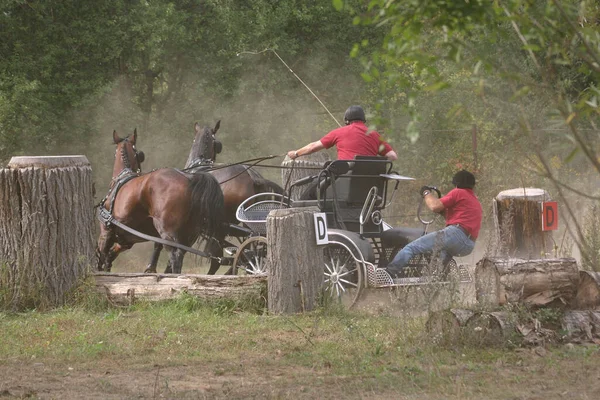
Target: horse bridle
x,y
207,159
139,157
122,178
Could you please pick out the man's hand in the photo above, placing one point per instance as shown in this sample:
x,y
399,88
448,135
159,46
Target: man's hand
x,y
293,154
425,190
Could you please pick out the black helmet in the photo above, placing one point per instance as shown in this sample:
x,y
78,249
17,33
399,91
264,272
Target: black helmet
x,y
354,113
463,179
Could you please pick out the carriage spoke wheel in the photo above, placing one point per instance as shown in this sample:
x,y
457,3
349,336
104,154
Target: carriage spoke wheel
x,y
343,276
251,256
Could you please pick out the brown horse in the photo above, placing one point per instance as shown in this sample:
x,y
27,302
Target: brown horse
x,y
238,183
165,203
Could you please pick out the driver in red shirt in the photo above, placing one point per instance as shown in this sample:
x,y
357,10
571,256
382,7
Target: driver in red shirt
x,y
350,140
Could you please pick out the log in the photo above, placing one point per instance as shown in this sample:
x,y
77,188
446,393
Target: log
x,y
294,261
490,328
588,291
126,288
300,168
46,229
445,326
581,325
540,282
518,223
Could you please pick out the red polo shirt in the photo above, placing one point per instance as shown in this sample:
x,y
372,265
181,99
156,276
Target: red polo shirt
x,y
355,139
463,208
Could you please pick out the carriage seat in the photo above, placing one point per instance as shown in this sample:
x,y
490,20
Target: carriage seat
x,y
400,237
355,178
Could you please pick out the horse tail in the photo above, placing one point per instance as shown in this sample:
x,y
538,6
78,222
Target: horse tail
x,y
207,204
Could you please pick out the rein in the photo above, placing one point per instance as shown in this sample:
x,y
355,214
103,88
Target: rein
x,y
105,215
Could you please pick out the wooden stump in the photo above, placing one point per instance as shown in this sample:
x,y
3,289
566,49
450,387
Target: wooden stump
x,y
301,168
499,281
581,325
490,329
445,326
588,291
46,229
126,288
518,223
294,261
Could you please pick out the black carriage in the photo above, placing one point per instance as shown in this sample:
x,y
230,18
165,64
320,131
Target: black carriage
x,y
353,195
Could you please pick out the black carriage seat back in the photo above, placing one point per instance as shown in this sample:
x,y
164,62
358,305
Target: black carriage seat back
x,y
366,173
353,179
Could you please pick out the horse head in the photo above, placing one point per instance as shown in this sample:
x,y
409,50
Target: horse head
x,y
127,157
205,147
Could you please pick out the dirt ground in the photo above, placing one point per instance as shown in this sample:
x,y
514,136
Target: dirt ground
x,y
532,378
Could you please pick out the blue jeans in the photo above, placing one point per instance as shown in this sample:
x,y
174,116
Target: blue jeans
x,y
448,242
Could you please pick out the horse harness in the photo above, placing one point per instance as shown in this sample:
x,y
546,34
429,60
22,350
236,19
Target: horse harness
x,y
106,218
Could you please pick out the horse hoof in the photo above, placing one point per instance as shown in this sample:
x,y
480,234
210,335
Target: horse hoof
x,y
150,270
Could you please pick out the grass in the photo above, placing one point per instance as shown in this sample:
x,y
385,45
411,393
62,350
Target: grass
x,y
363,354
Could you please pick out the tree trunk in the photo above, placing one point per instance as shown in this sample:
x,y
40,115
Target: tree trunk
x,y
125,288
490,329
519,224
582,326
445,326
588,291
294,261
300,168
46,229
532,282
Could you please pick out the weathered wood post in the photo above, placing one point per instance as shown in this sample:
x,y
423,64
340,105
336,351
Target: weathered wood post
x,y
294,261
518,220
301,167
501,281
46,229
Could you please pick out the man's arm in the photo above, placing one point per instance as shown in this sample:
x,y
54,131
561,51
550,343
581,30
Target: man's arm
x,y
308,149
433,202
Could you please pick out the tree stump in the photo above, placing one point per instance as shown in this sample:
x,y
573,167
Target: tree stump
x,y
300,168
581,325
46,229
294,261
445,326
588,291
518,223
490,329
499,281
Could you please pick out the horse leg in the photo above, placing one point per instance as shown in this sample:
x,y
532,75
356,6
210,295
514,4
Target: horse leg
x,y
214,247
115,250
103,249
151,268
176,260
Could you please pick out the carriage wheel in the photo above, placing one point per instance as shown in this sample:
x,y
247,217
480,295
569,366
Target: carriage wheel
x,y
343,275
251,256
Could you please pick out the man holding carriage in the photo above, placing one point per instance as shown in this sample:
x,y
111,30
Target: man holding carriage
x,y
463,214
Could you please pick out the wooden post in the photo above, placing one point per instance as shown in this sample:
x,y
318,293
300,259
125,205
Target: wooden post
x,y
46,229
490,329
445,326
518,223
581,325
588,291
499,281
300,168
294,261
